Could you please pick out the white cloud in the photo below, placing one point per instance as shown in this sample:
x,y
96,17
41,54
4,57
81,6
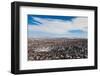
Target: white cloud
x,y
57,26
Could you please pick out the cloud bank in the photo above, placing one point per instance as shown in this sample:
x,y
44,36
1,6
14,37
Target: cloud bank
x,y
50,27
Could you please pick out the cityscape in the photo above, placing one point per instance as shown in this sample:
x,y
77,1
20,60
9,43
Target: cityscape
x,y
53,37
55,49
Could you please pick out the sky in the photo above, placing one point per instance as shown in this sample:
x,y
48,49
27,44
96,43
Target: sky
x,y
47,26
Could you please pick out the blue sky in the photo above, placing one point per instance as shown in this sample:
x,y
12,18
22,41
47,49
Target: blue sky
x,y
57,26
32,21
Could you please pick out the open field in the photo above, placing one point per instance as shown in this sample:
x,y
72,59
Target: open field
x,y
57,48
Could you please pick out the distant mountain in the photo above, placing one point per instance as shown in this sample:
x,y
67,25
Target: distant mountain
x,y
63,38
